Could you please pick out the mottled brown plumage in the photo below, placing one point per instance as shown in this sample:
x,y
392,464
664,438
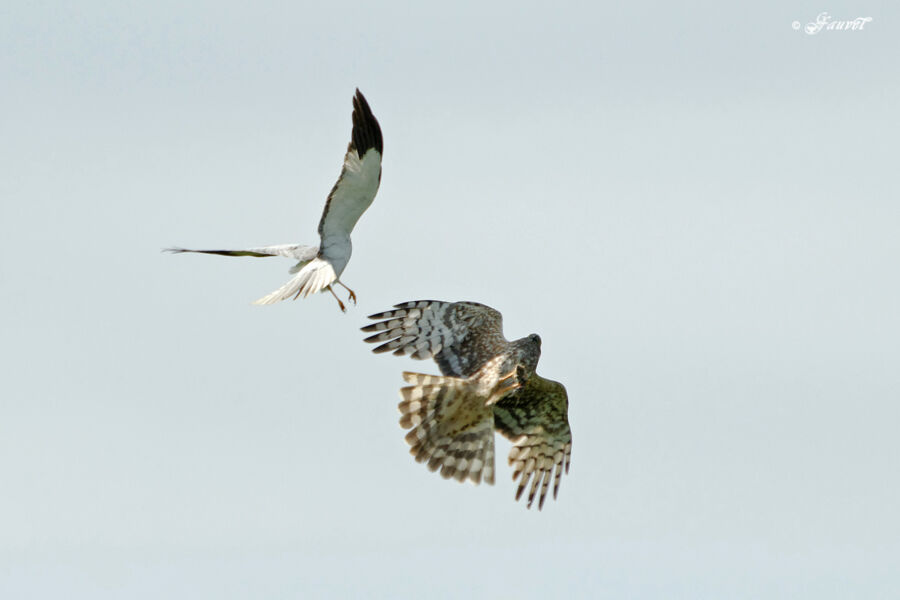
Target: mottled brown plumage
x,y
461,336
489,383
452,420
535,419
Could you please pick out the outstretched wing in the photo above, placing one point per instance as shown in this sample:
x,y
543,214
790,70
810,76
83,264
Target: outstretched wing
x,y
296,251
452,426
535,419
452,420
461,336
356,187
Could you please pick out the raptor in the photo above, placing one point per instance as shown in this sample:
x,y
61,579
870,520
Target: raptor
x,y
487,384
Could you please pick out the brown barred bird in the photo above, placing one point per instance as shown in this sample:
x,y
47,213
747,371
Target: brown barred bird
x,y
488,384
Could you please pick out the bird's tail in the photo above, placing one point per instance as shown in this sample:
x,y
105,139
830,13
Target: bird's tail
x,y
314,277
452,423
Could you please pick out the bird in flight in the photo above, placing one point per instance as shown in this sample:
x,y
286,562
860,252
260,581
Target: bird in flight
x,y
488,384
320,267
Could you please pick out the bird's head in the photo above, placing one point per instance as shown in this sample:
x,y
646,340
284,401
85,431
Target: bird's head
x,y
529,352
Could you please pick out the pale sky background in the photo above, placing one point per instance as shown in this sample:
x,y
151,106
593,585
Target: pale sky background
x,y
694,205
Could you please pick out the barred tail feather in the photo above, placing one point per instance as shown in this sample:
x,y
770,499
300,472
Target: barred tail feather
x,y
452,427
314,277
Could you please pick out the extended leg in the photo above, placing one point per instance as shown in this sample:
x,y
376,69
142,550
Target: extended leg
x,y
352,293
507,384
341,304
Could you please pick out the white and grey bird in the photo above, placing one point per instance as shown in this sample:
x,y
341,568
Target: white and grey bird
x,y
319,267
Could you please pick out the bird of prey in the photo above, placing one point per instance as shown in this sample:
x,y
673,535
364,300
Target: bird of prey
x,y
319,267
488,384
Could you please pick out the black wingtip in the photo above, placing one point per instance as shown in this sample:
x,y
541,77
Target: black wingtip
x,y
366,130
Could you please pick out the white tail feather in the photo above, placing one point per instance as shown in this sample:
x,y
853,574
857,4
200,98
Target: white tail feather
x,y
314,277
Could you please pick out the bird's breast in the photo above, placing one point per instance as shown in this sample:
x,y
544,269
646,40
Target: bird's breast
x,y
336,250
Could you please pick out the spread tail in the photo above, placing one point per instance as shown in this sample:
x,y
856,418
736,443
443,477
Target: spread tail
x,y
312,278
